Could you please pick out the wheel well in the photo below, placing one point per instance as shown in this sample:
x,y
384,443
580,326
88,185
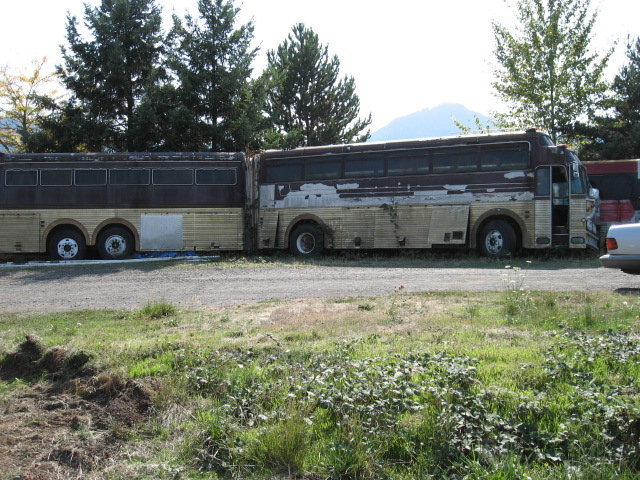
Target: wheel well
x,y
307,220
118,224
506,218
65,226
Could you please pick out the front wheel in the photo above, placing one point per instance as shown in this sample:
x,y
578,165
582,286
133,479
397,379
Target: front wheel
x,y
67,245
306,240
498,239
115,243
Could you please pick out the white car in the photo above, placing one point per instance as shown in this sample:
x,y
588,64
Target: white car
x,y
623,248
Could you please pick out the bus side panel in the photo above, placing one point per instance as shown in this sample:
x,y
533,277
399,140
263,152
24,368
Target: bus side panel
x,y
19,232
222,228
449,225
542,223
402,226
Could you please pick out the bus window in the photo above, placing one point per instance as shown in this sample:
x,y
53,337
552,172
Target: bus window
x,y
504,160
172,176
216,176
322,170
90,177
454,161
56,177
283,173
21,178
373,167
129,176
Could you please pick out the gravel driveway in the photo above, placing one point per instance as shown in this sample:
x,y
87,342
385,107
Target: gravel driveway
x,y
210,285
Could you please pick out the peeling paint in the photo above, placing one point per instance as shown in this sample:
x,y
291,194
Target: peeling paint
x,y
322,195
460,188
512,175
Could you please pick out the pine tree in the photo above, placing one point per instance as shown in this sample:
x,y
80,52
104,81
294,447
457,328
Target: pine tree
x,y
211,60
110,74
617,135
546,74
307,103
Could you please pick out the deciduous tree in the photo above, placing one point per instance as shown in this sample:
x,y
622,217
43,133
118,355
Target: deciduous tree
x,y
547,75
21,103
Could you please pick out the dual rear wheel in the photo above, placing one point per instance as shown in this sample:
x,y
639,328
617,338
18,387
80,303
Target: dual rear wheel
x,y
114,243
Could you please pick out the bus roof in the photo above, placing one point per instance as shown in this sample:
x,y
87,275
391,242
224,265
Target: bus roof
x,y
402,144
121,157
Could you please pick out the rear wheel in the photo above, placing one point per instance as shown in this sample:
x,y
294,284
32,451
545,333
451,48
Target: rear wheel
x,y
498,239
306,240
115,243
67,245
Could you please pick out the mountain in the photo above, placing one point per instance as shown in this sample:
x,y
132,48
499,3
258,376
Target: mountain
x,y
430,122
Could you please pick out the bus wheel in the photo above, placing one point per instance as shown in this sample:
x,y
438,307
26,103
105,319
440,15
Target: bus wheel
x,y
115,243
67,245
306,240
498,239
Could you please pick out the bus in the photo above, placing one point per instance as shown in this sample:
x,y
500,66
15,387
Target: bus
x,y
121,203
494,192
618,182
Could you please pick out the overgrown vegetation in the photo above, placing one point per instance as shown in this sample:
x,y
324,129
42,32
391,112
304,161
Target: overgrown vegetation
x,y
505,385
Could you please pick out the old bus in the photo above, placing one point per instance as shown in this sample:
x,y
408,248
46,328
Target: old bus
x,y
121,203
497,193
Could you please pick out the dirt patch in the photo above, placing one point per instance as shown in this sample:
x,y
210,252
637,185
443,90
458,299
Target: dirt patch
x,y
71,422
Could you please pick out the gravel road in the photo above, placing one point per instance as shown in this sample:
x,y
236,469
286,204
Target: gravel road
x,y
201,286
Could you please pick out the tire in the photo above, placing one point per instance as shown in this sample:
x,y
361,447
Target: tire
x,y
115,243
67,245
306,240
498,239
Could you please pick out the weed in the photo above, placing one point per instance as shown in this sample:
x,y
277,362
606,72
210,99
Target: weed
x,y
158,310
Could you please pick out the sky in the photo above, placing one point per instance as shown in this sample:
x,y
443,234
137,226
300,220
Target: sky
x,y
405,55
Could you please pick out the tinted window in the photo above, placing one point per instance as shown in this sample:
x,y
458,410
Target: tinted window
x,y
543,182
55,177
409,164
19,178
322,170
283,173
129,176
172,176
216,176
372,167
91,177
504,160
453,161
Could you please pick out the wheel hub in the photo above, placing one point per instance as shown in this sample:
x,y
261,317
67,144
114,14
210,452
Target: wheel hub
x,y
115,245
306,243
494,241
67,248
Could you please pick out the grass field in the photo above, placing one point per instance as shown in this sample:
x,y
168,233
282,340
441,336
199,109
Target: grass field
x,y
504,385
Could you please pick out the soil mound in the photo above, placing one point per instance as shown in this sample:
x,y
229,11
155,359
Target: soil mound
x,y
69,423
31,359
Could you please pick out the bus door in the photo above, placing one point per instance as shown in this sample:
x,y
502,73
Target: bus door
x,y
552,206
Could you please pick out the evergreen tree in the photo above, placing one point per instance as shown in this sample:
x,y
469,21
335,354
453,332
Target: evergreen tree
x,y
111,74
211,60
307,103
546,74
617,135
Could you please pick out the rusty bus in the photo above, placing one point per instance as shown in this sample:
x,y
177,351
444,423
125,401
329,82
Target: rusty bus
x,y
497,193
